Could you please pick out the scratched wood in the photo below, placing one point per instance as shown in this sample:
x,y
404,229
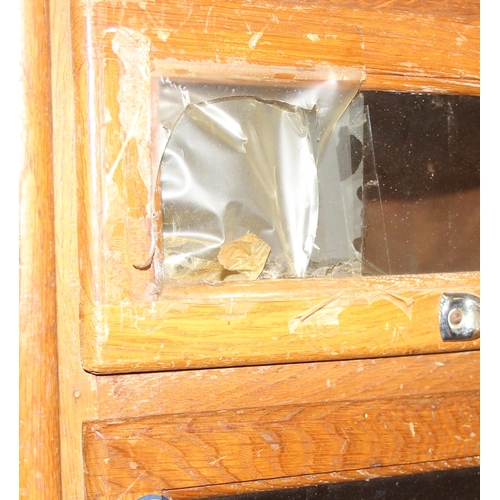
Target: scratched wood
x,y
391,43
39,451
301,481
316,479
424,46
191,391
76,394
126,397
274,322
129,321
176,396
189,450
77,388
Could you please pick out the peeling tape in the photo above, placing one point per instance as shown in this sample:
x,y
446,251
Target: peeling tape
x,y
235,311
255,38
313,37
326,313
134,95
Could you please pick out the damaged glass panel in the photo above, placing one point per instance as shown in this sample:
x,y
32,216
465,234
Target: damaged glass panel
x,y
302,179
340,177
257,179
252,171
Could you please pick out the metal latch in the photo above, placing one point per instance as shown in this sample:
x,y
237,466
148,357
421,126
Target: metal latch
x,y
459,316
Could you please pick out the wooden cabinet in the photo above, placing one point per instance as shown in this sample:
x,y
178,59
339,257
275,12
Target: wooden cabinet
x,y
130,321
223,431
200,390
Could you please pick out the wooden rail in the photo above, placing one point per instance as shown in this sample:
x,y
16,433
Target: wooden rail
x,y
40,475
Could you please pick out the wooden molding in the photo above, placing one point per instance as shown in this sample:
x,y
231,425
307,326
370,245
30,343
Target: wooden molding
x,y
38,375
434,47
314,479
76,387
428,46
122,397
182,451
302,481
351,421
273,322
130,402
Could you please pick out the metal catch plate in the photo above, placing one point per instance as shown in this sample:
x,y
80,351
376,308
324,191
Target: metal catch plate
x,y
459,316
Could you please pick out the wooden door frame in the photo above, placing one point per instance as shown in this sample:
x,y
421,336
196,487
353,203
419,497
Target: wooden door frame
x,y
38,374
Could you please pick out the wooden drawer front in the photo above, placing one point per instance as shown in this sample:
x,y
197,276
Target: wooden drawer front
x,y
337,429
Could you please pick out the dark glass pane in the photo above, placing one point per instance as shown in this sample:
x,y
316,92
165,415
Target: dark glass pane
x,y
421,184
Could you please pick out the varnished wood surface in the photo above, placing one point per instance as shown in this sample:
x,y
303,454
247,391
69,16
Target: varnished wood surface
x,y
238,390
256,444
127,396
281,484
424,46
314,479
275,322
303,481
79,389
76,387
39,449
348,430
130,320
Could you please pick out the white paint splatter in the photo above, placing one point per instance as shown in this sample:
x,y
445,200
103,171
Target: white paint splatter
x,y
107,116
255,38
313,37
162,34
412,429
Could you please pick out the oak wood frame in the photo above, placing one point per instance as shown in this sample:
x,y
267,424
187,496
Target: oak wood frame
x,y
203,433
39,433
125,326
87,397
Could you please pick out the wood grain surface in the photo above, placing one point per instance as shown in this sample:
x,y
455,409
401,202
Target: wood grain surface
x,y
128,396
76,387
281,484
130,321
236,391
273,322
425,46
39,448
211,448
314,479
440,56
